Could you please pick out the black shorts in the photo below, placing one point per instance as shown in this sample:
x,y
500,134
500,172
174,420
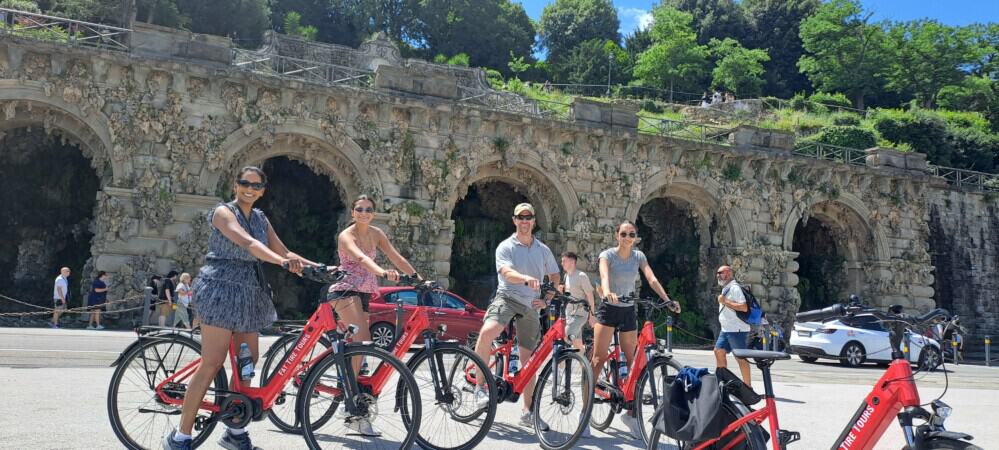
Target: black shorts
x,y
622,318
343,295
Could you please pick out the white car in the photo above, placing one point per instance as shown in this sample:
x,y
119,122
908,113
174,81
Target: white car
x,y
857,339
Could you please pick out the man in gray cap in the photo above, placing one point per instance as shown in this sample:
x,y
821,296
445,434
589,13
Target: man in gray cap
x,y
521,262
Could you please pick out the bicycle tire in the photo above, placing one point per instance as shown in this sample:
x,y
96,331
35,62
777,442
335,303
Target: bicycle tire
x,y
656,370
732,409
436,416
285,415
337,437
544,394
148,352
603,413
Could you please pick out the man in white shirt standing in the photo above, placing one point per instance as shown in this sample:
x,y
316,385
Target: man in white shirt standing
x,y
60,295
734,332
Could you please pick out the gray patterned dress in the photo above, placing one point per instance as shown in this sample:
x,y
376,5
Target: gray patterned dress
x,y
228,291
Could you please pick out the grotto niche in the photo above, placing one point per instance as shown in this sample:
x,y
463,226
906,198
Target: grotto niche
x,y
307,211
49,192
481,220
671,240
821,265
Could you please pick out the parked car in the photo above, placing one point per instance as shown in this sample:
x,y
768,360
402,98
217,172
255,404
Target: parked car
x,y
857,339
460,316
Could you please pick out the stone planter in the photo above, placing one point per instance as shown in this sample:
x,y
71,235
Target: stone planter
x,y
614,114
885,157
750,136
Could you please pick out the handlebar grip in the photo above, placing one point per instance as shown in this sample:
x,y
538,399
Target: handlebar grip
x,y
819,315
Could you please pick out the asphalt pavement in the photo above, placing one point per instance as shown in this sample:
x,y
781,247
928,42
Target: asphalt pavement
x,y
54,387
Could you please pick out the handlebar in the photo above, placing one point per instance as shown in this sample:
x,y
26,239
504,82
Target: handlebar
x,y
321,273
415,281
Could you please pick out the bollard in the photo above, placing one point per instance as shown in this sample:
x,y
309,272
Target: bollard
x,y
669,334
147,299
988,353
773,339
763,336
953,348
905,346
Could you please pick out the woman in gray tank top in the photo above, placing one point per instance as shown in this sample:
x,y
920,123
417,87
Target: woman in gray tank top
x,y
619,267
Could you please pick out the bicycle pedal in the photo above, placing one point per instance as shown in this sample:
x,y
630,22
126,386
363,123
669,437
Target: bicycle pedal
x,y
786,437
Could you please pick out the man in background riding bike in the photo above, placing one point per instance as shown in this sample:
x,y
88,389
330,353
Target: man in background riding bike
x,y
522,260
619,274
734,332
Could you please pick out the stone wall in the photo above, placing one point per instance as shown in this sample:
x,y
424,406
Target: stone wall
x,y
166,137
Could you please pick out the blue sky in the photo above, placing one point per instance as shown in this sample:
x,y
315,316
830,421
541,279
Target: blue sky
x,y
635,13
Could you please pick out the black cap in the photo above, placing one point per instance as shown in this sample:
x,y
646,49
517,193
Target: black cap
x,y
171,274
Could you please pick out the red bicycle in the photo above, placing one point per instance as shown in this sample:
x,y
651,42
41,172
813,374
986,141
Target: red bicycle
x,y
450,419
562,397
651,370
894,397
148,386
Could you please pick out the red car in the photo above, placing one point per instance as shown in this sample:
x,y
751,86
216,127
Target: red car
x,y
445,307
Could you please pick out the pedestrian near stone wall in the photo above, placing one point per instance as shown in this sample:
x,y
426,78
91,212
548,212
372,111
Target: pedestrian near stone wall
x,y
166,296
734,332
184,295
97,299
60,295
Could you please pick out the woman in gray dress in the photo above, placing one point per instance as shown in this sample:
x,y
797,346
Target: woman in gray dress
x,y
234,301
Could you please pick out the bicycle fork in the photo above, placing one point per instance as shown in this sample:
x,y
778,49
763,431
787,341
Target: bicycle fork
x,y
348,378
442,393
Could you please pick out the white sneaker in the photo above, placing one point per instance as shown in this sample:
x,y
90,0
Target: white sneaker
x,y
586,432
481,399
363,427
527,420
90,327
632,424
99,327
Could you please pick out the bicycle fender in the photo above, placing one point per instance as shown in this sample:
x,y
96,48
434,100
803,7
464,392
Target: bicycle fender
x,y
945,435
161,334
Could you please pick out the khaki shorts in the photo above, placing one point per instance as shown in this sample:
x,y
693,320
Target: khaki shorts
x,y
58,305
574,325
165,309
502,309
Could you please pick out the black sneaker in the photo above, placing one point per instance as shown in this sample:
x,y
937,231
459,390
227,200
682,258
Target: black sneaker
x,y
237,441
170,444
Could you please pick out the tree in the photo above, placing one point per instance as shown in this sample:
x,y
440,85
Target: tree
x,y
216,17
293,27
490,32
737,69
637,42
314,13
774,25
567,23
21,5
844,52
986,39
98,11
674,61
714,19
926,56
590,62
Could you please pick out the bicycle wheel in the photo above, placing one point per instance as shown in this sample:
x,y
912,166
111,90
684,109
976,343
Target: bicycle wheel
x,y
138,417
394,414
603,407
563,402
661,371
748,436
453,422
283,413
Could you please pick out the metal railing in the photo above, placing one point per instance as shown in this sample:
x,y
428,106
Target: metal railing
x,y
500,100
967,179
300,69
826,152
67,31
684,130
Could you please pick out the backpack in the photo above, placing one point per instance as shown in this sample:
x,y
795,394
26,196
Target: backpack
x,y
754,314
690,411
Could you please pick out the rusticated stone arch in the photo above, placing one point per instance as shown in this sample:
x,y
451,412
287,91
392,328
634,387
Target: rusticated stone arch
x,y
26,105
302,142
705,198
554,202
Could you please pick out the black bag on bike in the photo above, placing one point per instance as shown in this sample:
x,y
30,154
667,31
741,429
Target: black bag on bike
x,y
691,413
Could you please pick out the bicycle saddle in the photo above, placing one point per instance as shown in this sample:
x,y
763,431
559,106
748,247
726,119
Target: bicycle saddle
x,y
759,354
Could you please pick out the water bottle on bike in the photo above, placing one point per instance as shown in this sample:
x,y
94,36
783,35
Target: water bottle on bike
x,y
245,362
515,357
622,366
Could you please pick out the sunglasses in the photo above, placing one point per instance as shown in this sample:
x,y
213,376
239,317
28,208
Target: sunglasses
x,y
631,235
251,184
364,210
524,218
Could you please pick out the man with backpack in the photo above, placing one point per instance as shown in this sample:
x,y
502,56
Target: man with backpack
x,y
734,330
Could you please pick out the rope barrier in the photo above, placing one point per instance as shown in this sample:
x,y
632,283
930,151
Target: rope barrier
x,y
77,310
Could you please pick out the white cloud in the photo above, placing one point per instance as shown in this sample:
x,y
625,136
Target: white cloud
x,y
634,19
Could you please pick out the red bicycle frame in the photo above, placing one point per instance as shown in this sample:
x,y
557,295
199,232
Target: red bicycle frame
x,y
518,381
893,391
628,386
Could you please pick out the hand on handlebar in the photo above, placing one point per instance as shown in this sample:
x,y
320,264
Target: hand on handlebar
x,y
612,298
673,305
538,303
532,283
293,265
391,275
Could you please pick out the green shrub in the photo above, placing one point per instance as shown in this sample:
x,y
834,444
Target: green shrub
x,y
495,78
799,102
957,139
846,119
652,107
831,99
845,136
